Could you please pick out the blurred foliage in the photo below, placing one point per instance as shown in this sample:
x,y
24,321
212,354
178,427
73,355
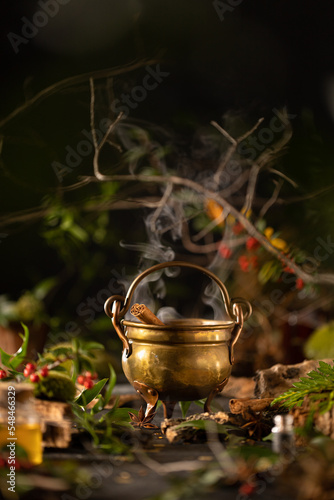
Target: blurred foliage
x,y
320,345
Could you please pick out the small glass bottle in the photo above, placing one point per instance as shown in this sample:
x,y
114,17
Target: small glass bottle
x,y
20,428
283,436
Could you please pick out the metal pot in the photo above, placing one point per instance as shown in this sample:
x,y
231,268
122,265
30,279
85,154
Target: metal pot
x,y
184,360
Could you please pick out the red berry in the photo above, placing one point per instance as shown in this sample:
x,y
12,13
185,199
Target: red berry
x,y
34,377
299,284
225,251
247,489
94,376
3,374
252,243
243,263
237,228
88,383
29,369
81,379
44,371
89,375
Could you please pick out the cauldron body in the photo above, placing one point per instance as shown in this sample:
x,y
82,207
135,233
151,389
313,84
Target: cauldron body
x,y
184,360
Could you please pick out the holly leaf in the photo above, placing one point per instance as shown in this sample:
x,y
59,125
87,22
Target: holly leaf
x,y
110,386
12,361
89,394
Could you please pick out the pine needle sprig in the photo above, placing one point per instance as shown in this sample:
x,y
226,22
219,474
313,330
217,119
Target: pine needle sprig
x,y
317,387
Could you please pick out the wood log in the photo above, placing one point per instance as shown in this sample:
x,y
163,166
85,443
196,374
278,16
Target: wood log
x,y
240,406
273,381
56,422
239,387
175,434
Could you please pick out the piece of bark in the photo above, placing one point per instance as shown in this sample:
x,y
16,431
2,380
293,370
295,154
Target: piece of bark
x,y
322,422
56,423
240,406
325,423
176,434
273,381
239,387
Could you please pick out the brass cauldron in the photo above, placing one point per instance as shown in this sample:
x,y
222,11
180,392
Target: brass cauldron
x,y
184,360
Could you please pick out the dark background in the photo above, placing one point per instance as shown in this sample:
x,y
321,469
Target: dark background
x,y
262,55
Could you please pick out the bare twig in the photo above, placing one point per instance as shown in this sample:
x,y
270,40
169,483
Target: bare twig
x,y
309,196
253,176
74,80
214,223
162,203
98,146
224,133
272,199
236,185
285,177
263,160
249,132
38,213
192,247
323,278
232,149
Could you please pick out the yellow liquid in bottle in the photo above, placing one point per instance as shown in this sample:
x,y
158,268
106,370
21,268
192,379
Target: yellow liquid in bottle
x,y
28,436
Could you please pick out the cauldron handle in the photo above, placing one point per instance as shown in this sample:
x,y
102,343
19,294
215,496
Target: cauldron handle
x,y
112,308
233,306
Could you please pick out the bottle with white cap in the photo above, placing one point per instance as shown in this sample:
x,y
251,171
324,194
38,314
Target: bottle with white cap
x,y
283,436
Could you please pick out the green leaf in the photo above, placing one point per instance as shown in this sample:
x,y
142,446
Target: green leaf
x,y
89,346
59,368
199,424
77,410
21,353
43,288
270,270
60,351
121,414
78,233
318,386
200,402
89,394
320,344
111,385
184,405
5,358
98,405
261,225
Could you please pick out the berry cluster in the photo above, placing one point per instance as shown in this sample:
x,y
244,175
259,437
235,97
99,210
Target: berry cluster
x,y
87,380
35,375
248,263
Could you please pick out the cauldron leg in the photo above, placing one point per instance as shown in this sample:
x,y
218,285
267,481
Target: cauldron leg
x,y
168,408
149,394
212,394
